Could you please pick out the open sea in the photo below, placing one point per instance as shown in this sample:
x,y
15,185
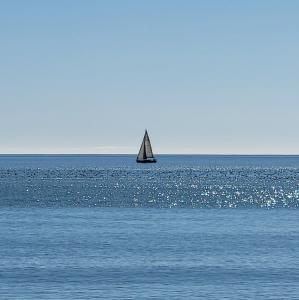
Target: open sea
x,y
187,227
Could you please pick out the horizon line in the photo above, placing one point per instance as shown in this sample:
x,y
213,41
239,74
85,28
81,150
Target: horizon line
x,y
186,154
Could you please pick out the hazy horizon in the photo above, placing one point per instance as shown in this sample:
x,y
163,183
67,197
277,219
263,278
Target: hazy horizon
x,y
155,153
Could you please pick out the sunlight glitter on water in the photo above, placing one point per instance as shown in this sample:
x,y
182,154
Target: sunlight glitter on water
x,y
202,188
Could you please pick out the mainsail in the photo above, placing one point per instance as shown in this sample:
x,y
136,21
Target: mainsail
x,y
146,153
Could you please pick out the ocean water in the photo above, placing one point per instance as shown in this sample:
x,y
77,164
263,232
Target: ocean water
x,y
194,227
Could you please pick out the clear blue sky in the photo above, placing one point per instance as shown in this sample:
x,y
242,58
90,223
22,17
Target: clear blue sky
x,y
201,76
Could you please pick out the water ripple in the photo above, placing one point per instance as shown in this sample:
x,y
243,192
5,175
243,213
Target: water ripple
x,y
179,187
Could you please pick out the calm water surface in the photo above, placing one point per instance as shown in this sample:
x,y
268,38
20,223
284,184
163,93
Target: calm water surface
x,y
194,227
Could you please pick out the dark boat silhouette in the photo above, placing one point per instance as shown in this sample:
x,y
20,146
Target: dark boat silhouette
x,y
145,154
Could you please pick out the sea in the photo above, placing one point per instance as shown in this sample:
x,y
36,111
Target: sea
x,y
187,227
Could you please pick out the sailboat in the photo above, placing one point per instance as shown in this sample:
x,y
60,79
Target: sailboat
x,y
145,154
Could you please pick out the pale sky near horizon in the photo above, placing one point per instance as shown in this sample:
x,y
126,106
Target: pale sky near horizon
x,y
202,76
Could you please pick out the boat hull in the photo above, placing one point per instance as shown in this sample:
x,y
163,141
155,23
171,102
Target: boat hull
x,y
146,161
